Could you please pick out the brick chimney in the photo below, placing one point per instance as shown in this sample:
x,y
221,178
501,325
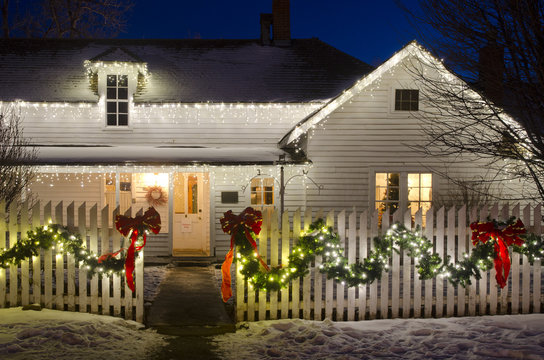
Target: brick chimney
x,y
281,22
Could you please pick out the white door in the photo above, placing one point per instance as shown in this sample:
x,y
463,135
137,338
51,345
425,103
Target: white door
x,y
191,215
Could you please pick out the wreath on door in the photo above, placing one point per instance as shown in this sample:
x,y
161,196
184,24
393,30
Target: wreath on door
x,y
156,196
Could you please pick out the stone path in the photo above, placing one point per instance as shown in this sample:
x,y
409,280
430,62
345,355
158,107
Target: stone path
x,y
189,303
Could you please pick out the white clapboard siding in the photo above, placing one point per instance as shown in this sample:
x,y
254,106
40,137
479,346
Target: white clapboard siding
x,y
366,135
212,125
67,287
399,293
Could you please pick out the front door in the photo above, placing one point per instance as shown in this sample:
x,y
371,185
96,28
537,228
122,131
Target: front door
x,y
191,215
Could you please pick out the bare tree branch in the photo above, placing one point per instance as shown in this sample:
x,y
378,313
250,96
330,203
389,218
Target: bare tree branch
x,y
15,156
64,18
497,48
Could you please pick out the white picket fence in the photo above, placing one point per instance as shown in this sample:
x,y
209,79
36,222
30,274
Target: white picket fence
x,y
54,280
398,293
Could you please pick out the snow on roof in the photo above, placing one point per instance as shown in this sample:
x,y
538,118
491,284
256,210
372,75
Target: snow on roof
x,y
134,154
413,48
188,71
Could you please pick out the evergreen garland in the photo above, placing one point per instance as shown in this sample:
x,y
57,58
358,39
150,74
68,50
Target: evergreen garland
x,y
321,240
58,238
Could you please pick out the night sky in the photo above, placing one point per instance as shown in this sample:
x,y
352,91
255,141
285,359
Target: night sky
x,y
369,30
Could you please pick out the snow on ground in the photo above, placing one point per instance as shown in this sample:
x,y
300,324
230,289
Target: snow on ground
x,y
499,337
52,334
153,276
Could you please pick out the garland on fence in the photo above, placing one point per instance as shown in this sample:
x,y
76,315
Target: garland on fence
x,y
321,240
59,238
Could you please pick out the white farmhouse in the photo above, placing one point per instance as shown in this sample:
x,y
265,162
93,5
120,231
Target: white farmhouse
x,y
199,127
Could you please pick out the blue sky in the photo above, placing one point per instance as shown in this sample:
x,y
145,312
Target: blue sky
x,y
369,30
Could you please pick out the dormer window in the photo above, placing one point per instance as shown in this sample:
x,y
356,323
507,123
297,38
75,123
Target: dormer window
x,y
115,76
117,100
406,100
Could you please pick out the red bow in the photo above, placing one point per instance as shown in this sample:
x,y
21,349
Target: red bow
x,y
150,220
482,232
250,220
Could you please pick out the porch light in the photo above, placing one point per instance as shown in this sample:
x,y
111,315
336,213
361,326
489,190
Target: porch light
x,y
156,179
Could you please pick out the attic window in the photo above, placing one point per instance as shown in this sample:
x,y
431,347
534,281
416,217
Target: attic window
x,y
406,100
117,100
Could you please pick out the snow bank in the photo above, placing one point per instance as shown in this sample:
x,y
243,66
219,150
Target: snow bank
x,y
51,334
511,337
153,276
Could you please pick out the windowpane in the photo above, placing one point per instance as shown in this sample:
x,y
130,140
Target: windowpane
x,y
426,194
380,192
426,180
268,198
112,119
413,180
111,94
123,119
122,93
123,80
111,107
413,194
192,194
381,179
123,107
393,179
112,80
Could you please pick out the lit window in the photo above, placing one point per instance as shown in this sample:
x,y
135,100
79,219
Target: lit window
x,y
403,190
420,188
387,192
406,100
262,191
117,100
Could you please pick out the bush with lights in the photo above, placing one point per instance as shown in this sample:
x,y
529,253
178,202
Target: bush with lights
x,y
491,242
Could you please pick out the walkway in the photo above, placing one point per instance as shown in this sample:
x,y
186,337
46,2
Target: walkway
x,y
189,304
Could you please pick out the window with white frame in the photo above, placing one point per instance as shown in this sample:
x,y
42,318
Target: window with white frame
x,y
262,191
117,100
400,190
406,100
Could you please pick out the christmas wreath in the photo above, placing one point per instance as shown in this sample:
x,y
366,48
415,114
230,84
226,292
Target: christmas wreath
x,y
54,236
490,240
155,196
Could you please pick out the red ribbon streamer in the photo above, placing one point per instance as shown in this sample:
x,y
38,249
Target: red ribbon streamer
x,y
150,220
482,232
250,220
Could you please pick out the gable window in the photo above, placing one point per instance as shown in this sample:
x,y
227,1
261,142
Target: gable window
x,y
262,191
400,190
406,100
117,100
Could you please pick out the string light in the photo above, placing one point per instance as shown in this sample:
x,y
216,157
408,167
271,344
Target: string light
x,y
322,240
46,237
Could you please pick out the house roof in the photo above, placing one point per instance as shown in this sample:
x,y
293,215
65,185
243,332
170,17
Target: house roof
x,y
187,71
411,49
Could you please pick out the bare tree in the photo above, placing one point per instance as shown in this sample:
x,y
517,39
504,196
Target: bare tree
x,y
497,48
64,18
15,157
